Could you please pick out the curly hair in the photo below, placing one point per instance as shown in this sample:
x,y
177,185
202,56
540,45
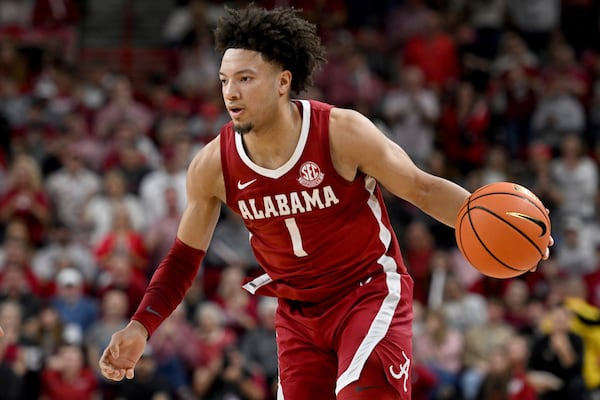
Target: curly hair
x,y
280,35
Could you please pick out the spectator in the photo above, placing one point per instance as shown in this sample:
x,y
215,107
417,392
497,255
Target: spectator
x,y
439,347
67,376
13,67
127,134
15,14
160,234
405,21
62,248
122,107
100,211
348,79
214,338
121,274
147,383
537,175
435,53
461,308
419,251
133,165
535,20
486,19
113,315
49,331
239,308
70,188
496,166
230,244
410,113
575,180
464,128
483,345
505,378
175,347
585,324
153,185
514,101
14,287
230,377
557,114
592,280
259,346
564,66
515,54
49,14
517,299
16,251
12,361
575,252
558,354
25,198
75,307
122,239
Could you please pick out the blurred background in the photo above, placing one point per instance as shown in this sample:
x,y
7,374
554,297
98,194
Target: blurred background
x,y
103,103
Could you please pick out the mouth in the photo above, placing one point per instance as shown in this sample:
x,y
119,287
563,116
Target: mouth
x,y
235,111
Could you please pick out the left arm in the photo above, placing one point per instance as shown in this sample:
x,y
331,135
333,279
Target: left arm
x,y
358,145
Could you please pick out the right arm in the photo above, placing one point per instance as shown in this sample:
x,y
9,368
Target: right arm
x,y
175,274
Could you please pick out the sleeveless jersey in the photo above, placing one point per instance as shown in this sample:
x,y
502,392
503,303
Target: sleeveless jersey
x,y
314,233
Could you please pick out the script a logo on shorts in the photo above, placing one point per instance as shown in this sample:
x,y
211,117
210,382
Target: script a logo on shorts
x,y
529,218
403,371
310,174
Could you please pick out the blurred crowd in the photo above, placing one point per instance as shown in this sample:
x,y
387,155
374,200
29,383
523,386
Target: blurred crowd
x,y
92,185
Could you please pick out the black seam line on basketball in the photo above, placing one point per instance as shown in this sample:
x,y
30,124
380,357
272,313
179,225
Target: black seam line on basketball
x,y
466,214
483,243
511,225
529,218
519,196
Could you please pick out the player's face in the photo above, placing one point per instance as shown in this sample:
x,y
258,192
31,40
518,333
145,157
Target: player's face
x,y
251,88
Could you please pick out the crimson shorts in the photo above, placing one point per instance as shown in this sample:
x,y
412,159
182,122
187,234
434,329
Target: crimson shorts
x,y
360,343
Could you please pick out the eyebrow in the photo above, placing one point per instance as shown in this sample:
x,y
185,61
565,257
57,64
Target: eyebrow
x,y
242,71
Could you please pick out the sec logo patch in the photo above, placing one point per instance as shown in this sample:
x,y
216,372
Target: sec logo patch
x,y
310,174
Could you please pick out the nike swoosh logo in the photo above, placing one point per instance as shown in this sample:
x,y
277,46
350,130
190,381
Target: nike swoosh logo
x,y
242,186
153,311
536,221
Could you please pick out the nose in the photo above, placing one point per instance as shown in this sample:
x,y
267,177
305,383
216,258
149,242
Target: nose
x,y
230,91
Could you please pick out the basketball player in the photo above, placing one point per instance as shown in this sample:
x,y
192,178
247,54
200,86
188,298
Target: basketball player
x,y
304,177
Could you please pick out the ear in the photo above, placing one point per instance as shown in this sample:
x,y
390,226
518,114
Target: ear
x,y
285,82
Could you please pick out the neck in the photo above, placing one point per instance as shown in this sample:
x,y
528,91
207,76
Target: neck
x,y
273,144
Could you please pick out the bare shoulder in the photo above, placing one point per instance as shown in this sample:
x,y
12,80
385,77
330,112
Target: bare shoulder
x,y
205,174
355,141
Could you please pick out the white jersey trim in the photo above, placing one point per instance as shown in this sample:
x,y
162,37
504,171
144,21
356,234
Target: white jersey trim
x,y
276,173
257,283
383,319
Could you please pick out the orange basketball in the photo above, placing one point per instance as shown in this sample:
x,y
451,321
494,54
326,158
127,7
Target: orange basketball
x,y
503,229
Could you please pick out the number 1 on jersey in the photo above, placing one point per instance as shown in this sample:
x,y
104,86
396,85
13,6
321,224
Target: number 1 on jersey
x,y
292,227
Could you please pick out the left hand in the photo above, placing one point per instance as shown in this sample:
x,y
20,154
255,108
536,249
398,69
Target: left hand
x,y
546,253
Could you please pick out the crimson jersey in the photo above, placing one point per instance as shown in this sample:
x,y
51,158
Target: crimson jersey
x,y
313,232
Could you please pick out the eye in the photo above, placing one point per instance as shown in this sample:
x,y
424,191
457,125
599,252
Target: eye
x,y
245,79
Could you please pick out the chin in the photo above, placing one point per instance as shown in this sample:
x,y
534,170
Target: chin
x,y
243,128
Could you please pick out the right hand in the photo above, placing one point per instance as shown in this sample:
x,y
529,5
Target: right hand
x,y
123,352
